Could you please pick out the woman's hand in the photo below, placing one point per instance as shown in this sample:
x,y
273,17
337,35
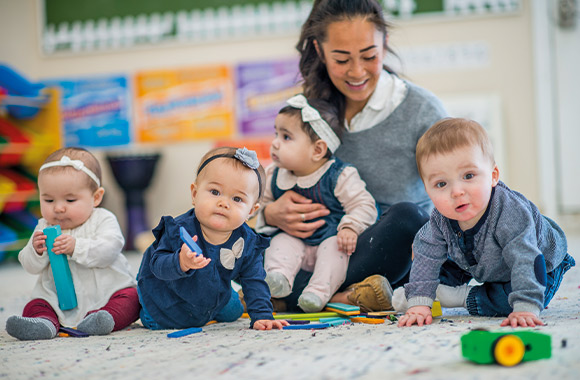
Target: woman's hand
x,y
416,315
291,213
523,319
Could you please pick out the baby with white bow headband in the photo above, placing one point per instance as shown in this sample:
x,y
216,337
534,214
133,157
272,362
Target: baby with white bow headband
x,y
179,288
304,164
70,191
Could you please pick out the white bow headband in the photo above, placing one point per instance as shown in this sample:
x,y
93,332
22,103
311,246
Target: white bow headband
x,y
77,164
312,117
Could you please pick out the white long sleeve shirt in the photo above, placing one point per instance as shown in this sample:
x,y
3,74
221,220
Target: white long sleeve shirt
x,y
97,265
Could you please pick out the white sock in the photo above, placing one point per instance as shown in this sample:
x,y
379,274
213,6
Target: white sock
x,y
310,302
278,284
399,300
453,296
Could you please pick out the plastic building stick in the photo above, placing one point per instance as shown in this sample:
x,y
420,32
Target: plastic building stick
x,y
309,316
72,332
342,312
298,321
436,309
180,333
307,327
65,288
342,306
335,321
373,321
189,241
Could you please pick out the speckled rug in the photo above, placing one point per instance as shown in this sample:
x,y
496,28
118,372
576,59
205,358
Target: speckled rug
x,y
231,350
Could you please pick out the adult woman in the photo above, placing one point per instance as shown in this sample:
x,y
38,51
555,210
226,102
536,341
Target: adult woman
x,y
342,46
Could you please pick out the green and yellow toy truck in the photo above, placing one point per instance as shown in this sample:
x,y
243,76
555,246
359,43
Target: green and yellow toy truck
x,y
505,348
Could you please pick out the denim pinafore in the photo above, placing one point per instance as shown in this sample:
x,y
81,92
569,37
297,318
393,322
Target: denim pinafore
x,y
322,192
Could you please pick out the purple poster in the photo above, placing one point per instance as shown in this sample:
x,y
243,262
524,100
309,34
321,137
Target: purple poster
x,y
262,89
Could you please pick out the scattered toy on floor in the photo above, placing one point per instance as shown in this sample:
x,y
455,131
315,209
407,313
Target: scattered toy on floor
x,y
505,348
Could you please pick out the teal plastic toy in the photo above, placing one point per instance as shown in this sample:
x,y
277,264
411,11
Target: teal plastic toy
x,y
65,288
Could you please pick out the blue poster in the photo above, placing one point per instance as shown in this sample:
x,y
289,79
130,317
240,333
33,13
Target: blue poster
x,y
95,111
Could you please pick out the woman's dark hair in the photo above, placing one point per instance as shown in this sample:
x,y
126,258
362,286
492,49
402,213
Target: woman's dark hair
x,y
327,112
317,83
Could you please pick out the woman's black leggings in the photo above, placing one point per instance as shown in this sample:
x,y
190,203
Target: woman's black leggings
x,y
383,248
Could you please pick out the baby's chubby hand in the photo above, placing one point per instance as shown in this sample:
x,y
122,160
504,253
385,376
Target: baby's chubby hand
x,y
523,319
346,239
416,315
267,324
39,242
188,259
64,245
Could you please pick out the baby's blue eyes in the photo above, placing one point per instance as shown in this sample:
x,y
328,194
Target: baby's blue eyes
x,y
214,192
442,184
238,199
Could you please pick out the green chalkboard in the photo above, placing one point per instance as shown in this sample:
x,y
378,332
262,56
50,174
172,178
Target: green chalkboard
x,y
94,25
59,11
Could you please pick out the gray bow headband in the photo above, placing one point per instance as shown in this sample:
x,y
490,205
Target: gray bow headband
x,y
247,157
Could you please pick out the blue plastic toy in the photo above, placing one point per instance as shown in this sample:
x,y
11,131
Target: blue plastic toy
x,y
307,327
65,288
180,333
189,241
27,93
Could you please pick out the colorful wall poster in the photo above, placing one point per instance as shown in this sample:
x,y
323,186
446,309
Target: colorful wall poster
x,y
95,110
262,89
184,104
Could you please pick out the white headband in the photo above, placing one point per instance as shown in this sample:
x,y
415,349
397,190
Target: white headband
x,y
312,117
77,164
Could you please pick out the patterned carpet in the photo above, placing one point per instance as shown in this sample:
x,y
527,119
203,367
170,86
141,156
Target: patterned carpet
x,y
355,351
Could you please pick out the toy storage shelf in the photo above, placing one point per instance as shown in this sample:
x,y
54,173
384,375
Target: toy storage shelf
x,y
24,144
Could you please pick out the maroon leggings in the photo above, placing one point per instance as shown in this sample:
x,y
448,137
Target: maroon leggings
x,y
123,306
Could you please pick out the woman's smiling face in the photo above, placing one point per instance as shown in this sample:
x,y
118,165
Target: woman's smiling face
x,y
353,54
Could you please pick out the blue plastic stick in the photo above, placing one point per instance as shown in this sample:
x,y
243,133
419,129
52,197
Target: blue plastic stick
x,y
180,333
307,327
65,288
297,322
189,241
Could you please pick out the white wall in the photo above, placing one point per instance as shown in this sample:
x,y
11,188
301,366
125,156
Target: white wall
x,y
508,73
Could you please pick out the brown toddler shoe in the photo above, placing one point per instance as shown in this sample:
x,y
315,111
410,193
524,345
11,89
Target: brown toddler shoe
x,y
374,293
277,304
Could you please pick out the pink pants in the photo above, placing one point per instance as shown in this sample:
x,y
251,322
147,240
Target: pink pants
x,y
328,264
123,306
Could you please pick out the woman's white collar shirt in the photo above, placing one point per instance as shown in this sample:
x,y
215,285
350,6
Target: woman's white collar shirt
x,y
390,92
